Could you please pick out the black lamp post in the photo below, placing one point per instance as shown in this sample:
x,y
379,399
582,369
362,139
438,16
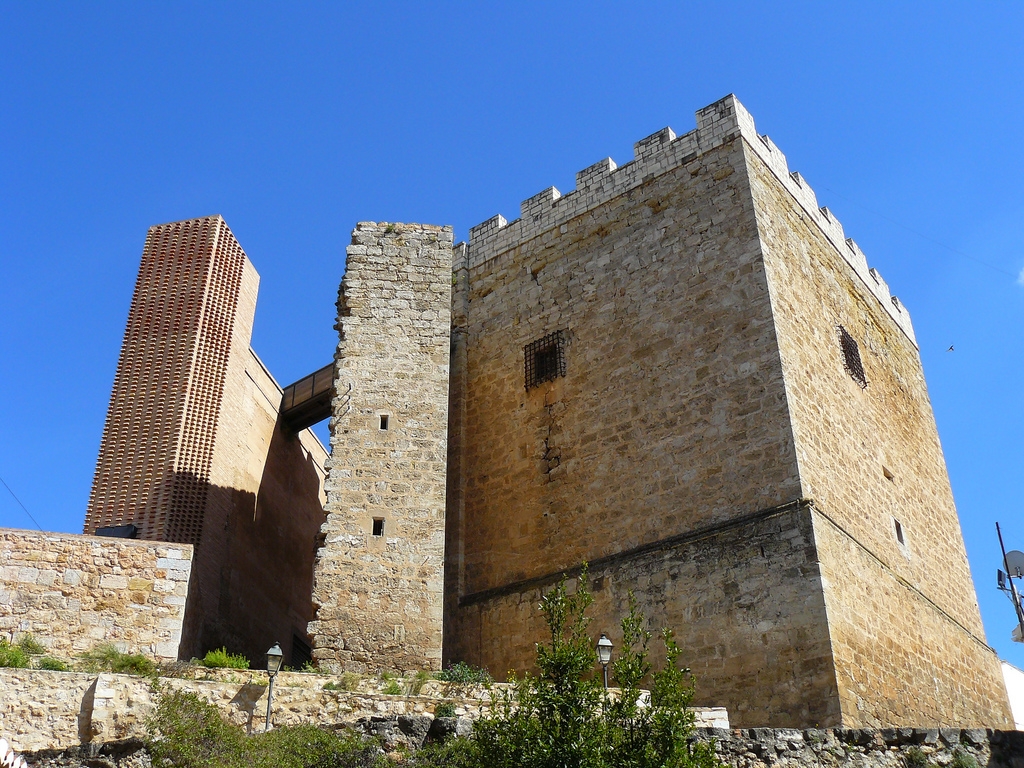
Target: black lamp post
x,y
274,657
604,654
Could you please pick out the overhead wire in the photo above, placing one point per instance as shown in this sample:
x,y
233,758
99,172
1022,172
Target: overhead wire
x,y
20,504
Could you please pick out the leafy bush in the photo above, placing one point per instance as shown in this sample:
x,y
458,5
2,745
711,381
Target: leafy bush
x,y
915,758
563,716
30,645
963,759
392,688
463,673
55,665
306,746
444,709
12,655
454,753
221,659
187,732
106,658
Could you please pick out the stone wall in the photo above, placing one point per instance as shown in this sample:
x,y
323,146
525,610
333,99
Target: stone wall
x,y
671,414
744,600
380,571
885,748
42,710
688,304
55,710
265,506
72,592
901,601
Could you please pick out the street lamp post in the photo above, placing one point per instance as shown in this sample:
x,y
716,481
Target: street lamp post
x,y
604,655
274,657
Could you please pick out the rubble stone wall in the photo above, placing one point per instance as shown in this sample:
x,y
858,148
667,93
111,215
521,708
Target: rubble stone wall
x,y
71,592
379,574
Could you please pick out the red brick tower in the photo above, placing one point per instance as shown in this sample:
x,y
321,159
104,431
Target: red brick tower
x,y
158,439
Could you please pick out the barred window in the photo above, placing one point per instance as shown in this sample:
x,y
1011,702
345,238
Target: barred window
x,y
545,359
851,357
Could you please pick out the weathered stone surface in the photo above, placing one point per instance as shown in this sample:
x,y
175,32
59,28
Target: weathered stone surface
x,y
89,598
755,748
379,573
702,387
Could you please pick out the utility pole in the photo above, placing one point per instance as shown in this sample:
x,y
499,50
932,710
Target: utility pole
x,y
1018,634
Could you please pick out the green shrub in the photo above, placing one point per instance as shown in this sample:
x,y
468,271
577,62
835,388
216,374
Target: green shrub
x,y
392,688
55,665
915,758
963,759
563,716
463,673
221,659
187,732
12,655
306,746
453,753
444,709
30,645
106,658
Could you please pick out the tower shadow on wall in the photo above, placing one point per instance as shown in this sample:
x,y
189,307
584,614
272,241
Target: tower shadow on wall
x,y
252,577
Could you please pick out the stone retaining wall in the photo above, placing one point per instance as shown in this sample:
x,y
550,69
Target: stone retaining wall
x,y
868,748
753,748
42,710
71,592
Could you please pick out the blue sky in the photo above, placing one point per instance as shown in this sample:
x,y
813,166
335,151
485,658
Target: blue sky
x,y
295,122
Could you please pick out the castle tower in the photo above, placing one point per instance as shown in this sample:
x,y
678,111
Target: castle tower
x,y
379,573
683,374
195,449
188,310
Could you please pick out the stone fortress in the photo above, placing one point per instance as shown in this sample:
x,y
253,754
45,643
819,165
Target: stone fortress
x,y
681,373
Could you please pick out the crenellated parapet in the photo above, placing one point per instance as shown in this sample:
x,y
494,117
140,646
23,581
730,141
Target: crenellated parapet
x,y
717,124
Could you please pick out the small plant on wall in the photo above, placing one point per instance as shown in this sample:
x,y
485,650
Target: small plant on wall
x,y
221,659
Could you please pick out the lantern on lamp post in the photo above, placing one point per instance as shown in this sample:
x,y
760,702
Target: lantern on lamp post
x,y
604,655
274,657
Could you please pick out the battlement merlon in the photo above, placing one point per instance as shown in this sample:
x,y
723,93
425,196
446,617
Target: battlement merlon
x,y
659,153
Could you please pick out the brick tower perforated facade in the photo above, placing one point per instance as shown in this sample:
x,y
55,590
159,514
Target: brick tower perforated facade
x,y
155,455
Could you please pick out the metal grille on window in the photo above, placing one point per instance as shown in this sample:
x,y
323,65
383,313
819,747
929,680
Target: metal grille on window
x,y
851,357
545,359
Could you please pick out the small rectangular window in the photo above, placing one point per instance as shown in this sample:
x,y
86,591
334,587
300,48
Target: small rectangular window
x,y
383,421
899,532
545,359
378,526
851,357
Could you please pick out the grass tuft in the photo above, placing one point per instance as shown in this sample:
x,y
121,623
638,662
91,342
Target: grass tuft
x,y
105,657
221,659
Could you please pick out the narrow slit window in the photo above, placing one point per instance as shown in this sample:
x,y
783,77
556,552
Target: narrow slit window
x,y
378,526
545,359
384,421
899,532
851,357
